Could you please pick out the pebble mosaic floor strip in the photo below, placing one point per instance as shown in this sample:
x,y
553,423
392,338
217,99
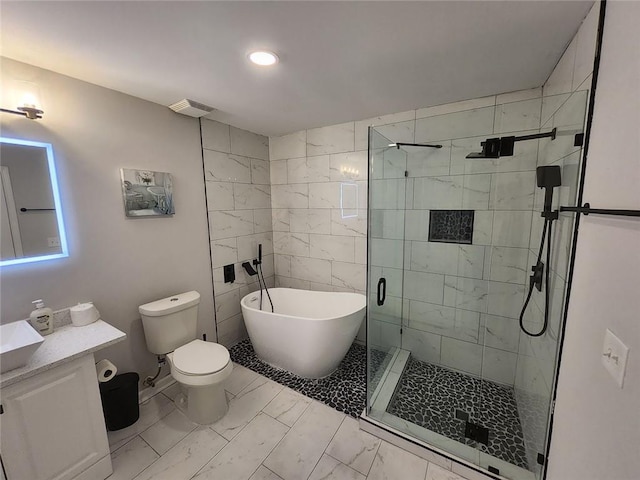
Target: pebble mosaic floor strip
x,y
344,389
430,396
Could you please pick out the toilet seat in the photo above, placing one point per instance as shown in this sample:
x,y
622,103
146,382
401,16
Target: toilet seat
x,y
200,363
200,358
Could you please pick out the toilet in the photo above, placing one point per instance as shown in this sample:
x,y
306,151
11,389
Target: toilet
x,y
170,328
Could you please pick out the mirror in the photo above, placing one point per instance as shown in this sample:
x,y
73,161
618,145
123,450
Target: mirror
x,y
31,225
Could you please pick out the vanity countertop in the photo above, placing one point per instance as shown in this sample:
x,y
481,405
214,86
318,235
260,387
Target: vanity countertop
x,y
66,343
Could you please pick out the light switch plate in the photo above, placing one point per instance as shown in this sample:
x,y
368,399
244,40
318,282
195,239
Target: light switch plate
x,y
614,356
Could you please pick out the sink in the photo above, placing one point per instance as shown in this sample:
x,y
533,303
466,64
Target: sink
x,y
18,341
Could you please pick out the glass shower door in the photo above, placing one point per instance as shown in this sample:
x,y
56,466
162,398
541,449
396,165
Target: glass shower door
x,y
385,264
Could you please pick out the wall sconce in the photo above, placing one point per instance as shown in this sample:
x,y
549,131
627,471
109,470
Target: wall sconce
x,y
25,94
29,111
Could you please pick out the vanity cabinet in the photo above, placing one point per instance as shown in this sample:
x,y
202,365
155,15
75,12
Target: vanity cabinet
x,y
52,426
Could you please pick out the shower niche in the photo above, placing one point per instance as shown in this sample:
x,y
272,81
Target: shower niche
x,y
451,226
454,233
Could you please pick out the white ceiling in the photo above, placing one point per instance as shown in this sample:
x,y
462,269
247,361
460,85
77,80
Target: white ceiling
x,y
340,61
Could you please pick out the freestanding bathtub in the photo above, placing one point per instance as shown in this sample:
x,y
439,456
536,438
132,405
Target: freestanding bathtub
x,y
309,333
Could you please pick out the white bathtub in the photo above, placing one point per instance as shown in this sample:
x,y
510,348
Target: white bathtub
x,y
309,333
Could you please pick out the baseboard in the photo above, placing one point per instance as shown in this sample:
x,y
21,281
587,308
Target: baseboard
x,y
98,471
146,393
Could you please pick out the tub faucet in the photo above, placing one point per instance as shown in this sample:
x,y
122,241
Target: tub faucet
x,y
247,266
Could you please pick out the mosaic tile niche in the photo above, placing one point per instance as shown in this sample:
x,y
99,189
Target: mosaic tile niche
x,y
451,226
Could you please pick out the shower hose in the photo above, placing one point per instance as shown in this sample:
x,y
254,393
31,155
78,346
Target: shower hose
x,y
546,233
260,274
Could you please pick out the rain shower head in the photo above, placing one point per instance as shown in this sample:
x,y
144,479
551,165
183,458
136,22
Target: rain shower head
x,y
495,148
503,146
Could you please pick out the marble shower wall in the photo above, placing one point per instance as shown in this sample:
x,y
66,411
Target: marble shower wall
x,y
457,297
564,103
461,301
237,179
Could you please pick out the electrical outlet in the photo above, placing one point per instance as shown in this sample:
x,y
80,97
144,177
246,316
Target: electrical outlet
x,y
53,241
614,356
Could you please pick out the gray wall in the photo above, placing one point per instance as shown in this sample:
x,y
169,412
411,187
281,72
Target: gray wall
x,y
116,262
596,431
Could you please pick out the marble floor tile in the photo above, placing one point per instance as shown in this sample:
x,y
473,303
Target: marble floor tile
x,y
246,405
295,438
263,473
435,472
328,468
239,379
172,391
296,455
239,459
132,458
354,447
392,462
287,406
187,457
168,431
151,411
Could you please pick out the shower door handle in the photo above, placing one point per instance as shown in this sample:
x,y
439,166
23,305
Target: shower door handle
x,y
382,291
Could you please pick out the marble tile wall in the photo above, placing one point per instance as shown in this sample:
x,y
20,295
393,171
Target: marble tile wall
x,y
319,207
456,296
564,102
462,301
238,189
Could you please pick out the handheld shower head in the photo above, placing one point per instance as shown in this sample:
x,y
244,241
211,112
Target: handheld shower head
x,y
548,177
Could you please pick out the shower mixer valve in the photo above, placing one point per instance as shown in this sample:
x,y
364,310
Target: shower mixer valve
x,y
536,277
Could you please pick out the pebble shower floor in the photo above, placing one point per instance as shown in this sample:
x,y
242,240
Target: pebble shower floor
x,y
427,395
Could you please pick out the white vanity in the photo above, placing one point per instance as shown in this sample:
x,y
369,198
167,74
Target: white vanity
x,y
51,421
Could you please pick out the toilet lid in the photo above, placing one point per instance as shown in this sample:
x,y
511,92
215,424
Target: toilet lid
x,y
200,358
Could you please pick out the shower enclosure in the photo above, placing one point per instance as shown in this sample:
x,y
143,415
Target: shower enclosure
x,y
452,237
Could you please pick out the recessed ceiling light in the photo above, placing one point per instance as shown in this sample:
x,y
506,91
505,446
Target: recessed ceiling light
x,y
263,58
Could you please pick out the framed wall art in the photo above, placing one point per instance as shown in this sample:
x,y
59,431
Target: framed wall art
x,y
147,193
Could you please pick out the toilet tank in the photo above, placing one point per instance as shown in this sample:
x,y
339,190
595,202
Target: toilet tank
x,y
171,322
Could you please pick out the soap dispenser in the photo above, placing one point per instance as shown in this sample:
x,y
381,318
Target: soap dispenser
x,y
42,318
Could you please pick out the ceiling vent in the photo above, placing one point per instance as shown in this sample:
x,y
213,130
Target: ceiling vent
x,y
191,108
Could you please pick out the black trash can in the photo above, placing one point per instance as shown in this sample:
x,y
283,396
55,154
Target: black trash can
x,y
120,401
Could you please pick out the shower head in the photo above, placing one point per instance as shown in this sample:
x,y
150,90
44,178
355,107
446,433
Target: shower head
x,y
495,148
548,177
503,146
490,149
